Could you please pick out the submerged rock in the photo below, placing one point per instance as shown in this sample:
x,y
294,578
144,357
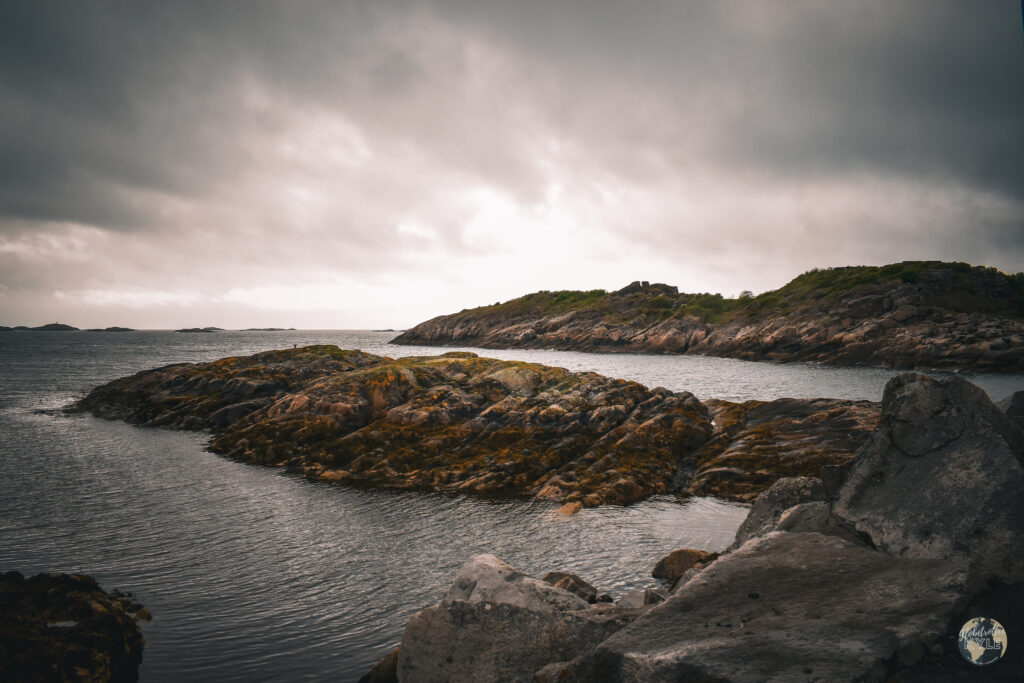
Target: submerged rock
x,y
678,562
65,627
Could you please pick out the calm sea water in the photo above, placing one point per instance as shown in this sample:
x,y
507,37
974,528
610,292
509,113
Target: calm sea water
x,y
255,575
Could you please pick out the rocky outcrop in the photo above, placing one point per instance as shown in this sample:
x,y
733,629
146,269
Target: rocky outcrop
x,y
864,574
458,422
64,627
911,315
756,442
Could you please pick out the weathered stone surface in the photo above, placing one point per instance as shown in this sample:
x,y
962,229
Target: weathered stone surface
x,y
572,583
786,607
911,315
487,641
757,442
640,598
57,627
941,476
487,578
497,624
677,562
768,508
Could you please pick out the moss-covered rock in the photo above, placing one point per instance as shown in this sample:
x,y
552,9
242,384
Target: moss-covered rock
x,y
458,422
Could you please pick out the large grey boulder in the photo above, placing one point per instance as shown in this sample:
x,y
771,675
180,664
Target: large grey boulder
x,y
487,578
786,607
942,475
498,624
487,641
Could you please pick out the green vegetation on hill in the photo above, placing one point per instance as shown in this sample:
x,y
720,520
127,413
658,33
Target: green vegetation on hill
x,y
958,287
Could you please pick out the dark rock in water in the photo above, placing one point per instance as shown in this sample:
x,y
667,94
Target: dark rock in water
x,y
785,607
678,562
941,476
1013,405
65,627
384,671
573,584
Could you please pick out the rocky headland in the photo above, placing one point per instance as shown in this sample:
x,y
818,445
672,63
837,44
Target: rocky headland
x,y
64,627
866,574
458,422
911,315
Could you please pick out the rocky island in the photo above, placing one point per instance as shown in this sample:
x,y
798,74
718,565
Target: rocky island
x,y
911,315
458,422
867,576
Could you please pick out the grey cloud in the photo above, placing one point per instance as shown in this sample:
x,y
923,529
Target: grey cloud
x,y
173,123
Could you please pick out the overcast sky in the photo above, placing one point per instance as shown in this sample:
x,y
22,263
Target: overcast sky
x,y
374,164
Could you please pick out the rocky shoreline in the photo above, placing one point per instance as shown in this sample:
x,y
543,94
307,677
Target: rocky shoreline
x,y
915,315
64,627
864,574
461,423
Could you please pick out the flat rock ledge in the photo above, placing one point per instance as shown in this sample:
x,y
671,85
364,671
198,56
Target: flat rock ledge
x,y
64,627
865,574
461,423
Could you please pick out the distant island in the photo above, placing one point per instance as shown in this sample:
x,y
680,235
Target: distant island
x,y
201,329
915,314
61,327
52,327
269,329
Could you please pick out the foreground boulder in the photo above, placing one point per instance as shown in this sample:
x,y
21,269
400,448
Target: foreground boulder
x,y
497,624
57,627
941,476
458,422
